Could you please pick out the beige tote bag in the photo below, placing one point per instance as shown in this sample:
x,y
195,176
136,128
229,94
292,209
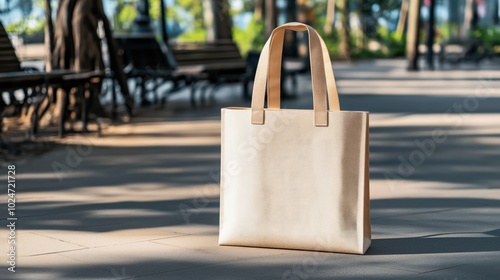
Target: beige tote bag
x,y
295,179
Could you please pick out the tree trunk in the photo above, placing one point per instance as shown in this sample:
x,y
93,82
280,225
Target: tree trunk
x,y
412,36
470,17
217,20
77,47
291,44
49,34
402,18
257,12
271,14
345,30
208,19
361,30
330,17
223,23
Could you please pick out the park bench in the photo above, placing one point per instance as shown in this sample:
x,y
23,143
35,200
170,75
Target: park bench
x,y
291,68
148,61
219,61
35,83
456,51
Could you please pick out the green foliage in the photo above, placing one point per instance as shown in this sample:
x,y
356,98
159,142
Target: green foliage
x,y
447,31
195,10
367,54
21,27
489,36
154,9
332,40
396,45
198,35
250,38
126,15
189,13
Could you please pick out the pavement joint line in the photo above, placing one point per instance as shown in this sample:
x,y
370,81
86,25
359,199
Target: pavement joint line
x,y
170,237
237,259
413,214
444,268
402,269
107,224
58,252
131,242
61,240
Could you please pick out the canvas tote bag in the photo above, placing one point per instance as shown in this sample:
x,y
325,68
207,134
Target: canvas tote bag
x,y
295,179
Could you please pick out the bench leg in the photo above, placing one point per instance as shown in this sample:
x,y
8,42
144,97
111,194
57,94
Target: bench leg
x,y
193,94
211,94
86,94
244,83
294,84
34,121
63,108
144,101
114,112
37,111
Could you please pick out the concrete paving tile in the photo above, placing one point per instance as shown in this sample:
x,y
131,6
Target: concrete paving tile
x,y
55,266
301,265
477,219
209,244
439,223
467,271
195,229
107,235
31,244
143,258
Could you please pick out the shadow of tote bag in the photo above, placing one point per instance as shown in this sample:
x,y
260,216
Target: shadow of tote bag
x,y
295,179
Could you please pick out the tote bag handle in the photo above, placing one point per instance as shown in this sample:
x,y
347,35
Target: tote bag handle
x,y
270,67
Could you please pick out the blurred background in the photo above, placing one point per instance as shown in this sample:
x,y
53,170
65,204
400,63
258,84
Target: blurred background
x,y
374,28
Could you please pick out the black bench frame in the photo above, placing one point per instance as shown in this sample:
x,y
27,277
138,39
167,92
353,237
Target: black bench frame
x,y
13,77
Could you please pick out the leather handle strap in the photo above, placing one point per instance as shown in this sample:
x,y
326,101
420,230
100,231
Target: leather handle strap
x,y
274,74
272,53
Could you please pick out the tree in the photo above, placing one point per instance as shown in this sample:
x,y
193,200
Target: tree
x,y
345,29
49,34
217,20
257,14
402,18
470,17
330,17
77,46
271,14
412,36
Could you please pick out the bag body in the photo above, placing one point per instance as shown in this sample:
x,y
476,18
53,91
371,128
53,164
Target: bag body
x,y
295,179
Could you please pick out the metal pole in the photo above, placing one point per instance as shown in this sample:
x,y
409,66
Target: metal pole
x,y
163,22
142,23
430,34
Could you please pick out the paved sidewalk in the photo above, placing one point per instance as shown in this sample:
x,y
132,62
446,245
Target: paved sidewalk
x,y
142,202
